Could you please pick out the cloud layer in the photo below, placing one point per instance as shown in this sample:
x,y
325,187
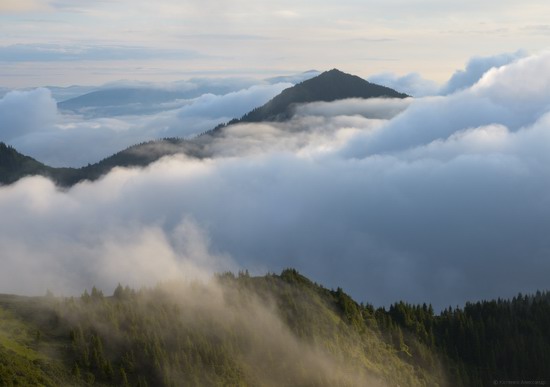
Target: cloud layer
x,y
30,121
439,199
26,112
417,86
63,53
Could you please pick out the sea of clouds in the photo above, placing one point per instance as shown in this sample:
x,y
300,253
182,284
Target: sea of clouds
x,y
442,198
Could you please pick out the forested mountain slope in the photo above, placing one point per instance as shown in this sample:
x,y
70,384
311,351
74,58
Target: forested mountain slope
x,y
275,330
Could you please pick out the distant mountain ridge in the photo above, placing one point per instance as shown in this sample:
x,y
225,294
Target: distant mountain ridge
x,y
142,98
328,86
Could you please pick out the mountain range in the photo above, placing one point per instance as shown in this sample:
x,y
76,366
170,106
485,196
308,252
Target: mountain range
x,y
140,98
328,86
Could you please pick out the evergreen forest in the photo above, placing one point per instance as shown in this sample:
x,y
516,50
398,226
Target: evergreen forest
x,y
273,330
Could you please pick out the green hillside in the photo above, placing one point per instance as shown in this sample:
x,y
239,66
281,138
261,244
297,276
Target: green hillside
x,y
275,330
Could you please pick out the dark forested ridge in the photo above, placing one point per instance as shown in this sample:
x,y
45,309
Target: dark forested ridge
x,y
329,86
14,165
275,330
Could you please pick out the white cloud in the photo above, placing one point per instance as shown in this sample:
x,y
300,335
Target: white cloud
x,y
29,121
99,249
22,112
476,68
417,86
513,95
377,108
234,104
412,84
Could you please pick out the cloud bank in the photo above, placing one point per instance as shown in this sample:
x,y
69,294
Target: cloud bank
x,y
417,86
412,84
475,69
439,199
30,121
25,112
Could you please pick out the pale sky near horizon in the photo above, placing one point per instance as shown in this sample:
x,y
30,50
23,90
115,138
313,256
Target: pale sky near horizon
x,y
63,42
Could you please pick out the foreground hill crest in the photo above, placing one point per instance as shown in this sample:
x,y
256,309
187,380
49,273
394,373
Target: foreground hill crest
x,y
274,330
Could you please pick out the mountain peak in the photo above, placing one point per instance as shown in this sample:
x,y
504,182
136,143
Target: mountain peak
x,y
335,71
328,86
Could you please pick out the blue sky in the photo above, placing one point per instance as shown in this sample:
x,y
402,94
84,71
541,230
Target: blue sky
x,y
65,42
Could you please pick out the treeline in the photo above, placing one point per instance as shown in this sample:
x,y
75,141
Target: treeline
x,y
506,341
14,165
499,340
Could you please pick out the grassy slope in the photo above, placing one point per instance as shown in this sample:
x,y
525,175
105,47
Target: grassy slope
x,y
27,356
